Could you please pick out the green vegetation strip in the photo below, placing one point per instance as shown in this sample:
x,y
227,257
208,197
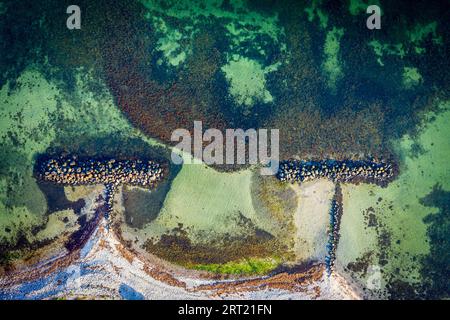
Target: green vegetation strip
x,y
250,266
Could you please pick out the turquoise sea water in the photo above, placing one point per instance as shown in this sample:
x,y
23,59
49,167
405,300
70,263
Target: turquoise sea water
x,y
332,87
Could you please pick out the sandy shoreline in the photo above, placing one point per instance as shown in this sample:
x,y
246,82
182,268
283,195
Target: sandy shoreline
x,y
102,267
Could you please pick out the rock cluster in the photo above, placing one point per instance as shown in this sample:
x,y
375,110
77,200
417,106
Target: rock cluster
x,y
333,233
109,199
75,171
337,171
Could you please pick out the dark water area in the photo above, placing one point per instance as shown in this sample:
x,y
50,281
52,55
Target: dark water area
x,y
107,147
159,99
141,207
87,227
56,198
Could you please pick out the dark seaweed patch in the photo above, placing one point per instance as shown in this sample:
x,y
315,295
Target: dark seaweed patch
x,y
176,246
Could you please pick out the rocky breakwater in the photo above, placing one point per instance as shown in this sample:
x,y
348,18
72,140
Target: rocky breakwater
x,y
78,171
71,170
350,171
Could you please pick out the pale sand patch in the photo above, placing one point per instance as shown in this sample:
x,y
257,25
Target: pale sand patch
x,y
201,198
74,193
312,218
56,225
356,239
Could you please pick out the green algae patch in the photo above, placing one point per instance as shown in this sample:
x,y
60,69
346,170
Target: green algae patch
x,y
247,81
3,8
169,46
420,33
413,42
314,11
381,49
356,7
25,114
16,222
25,117
169,42
436,267
247,37
411,77
239,36
237,11
242,26
387,224
250,266
246,42
332,64
88,113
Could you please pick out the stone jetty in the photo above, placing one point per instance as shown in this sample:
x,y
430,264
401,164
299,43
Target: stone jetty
x,y
333,229
71,170
109,199
353,171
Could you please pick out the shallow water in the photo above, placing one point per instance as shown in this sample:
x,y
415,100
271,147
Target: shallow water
x,y
388,223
